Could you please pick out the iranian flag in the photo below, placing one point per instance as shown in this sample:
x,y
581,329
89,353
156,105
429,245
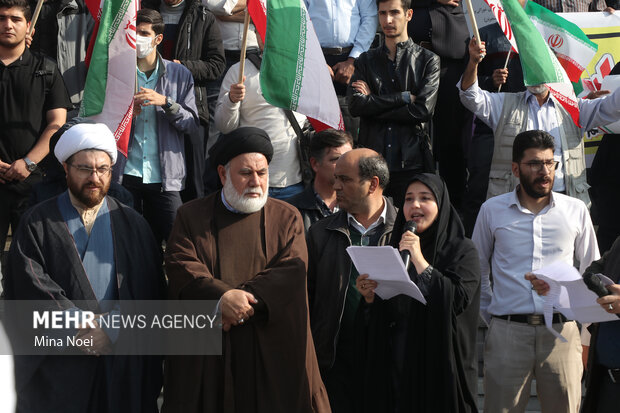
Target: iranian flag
x,y
294,74
110,82
539,63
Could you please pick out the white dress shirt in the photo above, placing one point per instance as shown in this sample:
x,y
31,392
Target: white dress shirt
x,y
253,110
362,229
344,23
232,32
488,106
512,241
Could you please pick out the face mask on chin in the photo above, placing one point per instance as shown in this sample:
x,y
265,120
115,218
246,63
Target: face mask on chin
x,y
538,89
144,46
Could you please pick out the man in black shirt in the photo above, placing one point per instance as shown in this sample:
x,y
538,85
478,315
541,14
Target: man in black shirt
x,y
34,104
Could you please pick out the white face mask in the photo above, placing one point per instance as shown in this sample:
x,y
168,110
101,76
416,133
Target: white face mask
x,y
144,46
538,89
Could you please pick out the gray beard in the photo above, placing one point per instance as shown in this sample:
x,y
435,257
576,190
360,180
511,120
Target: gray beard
x,y
538,89
239,201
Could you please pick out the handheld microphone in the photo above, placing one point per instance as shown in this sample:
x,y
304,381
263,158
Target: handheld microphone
x,y
405,254
595,285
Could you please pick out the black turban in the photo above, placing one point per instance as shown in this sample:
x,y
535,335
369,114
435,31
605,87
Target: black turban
x,y
239,141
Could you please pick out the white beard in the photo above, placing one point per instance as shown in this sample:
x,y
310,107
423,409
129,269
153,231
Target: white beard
x,y
242,203
538,89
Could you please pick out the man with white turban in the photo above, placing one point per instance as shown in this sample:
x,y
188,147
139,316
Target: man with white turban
x,y
81,250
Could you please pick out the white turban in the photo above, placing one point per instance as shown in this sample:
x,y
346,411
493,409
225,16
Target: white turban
x,y
85,136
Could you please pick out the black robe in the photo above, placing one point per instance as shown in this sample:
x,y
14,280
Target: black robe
x,y
428,361
43,264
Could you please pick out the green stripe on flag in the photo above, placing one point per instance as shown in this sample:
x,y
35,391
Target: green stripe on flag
x,y
536,60
284,54
112,14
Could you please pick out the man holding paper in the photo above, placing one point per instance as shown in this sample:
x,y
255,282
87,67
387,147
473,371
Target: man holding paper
x,y
517,233
365,218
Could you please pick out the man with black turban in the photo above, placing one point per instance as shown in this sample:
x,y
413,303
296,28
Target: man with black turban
x,y
248,252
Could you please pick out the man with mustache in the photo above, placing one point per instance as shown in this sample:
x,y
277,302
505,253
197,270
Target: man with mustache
x,y
81,251
394,91
516,234
507,114
247,251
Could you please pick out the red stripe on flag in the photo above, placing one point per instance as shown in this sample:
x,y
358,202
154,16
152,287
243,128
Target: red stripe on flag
x,y
259,17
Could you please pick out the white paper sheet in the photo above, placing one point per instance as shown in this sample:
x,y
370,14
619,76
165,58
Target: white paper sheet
x,y
385,266
569,295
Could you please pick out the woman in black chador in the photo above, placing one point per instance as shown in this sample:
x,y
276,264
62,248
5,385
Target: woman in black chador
x,y
422,358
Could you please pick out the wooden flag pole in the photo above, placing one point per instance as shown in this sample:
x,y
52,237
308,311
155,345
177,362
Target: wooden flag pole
x,y
472,20
35,16
505,66
246,26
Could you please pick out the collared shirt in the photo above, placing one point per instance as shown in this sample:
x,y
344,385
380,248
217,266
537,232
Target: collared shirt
x,y
344,23
363,230
322,206
232,32
143,160
592,112
512,241
88,215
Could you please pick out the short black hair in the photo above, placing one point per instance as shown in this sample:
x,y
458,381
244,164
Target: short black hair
x,y
328,138
537,139
406,4
150,16
21,4
370,166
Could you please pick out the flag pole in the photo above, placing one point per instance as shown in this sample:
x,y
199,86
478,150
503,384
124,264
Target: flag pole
x,y
246,26
35,16
505,66
472,20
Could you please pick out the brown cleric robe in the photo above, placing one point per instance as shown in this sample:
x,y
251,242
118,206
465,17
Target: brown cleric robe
x,y
268,363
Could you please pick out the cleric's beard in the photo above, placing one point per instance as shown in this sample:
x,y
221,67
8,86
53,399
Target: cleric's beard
x,y
242,203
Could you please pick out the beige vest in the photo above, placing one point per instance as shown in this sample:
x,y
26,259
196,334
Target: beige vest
x,y
513,121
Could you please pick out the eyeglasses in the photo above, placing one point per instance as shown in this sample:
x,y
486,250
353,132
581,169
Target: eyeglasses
x,y
85,172
536,166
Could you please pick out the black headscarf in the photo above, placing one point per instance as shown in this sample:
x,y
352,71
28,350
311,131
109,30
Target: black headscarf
x,y
445,230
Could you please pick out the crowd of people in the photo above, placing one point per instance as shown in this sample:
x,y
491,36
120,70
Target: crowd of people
x,y
222,196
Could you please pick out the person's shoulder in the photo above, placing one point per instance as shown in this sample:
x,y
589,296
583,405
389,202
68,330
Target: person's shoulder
x,y
569,202
498,202
323,225
280,207
177,69
41,211
199,206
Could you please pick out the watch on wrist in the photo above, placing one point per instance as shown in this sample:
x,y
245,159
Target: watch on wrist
x,y
31,166
169,103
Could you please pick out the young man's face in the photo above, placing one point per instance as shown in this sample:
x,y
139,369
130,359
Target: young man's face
x,y
393,18
146,30
536,172
13,27
324,169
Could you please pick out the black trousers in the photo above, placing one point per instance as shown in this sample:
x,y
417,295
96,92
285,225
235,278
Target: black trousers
x,y
12,207
158,207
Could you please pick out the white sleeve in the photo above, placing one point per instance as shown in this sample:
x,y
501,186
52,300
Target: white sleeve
x,y
485,105
227,114
483,239
586,246
220,7
599,112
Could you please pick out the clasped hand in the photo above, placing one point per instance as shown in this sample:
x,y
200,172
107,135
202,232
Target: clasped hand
x,y
236,307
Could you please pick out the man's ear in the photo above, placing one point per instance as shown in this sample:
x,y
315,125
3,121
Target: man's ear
x,y
158,39
515,169
314,164
221,171
409,14
374,184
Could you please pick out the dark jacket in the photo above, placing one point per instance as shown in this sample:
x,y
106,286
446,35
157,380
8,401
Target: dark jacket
x,y
329,268
308,206
199,48
390,122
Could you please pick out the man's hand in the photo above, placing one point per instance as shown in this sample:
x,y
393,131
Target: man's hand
x,y
30,36
177,61
101,344
236,17
476,53
3,168
541,287
597,94
236,307
366,287
331,71
611,302
361,87
17,171
499,77
148,97
609,10
237,92
343,71
452,3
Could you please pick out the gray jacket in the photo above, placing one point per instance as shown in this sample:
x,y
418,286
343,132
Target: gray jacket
x,y
174,81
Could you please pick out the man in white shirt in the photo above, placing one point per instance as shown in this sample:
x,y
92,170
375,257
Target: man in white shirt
x,y
516,234
242,104
507,114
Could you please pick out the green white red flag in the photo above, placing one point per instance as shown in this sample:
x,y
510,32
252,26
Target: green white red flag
x,y
539,63
110,82
294,74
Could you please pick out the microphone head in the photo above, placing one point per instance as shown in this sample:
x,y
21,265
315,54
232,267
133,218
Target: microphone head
x,y
595,284
410,226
